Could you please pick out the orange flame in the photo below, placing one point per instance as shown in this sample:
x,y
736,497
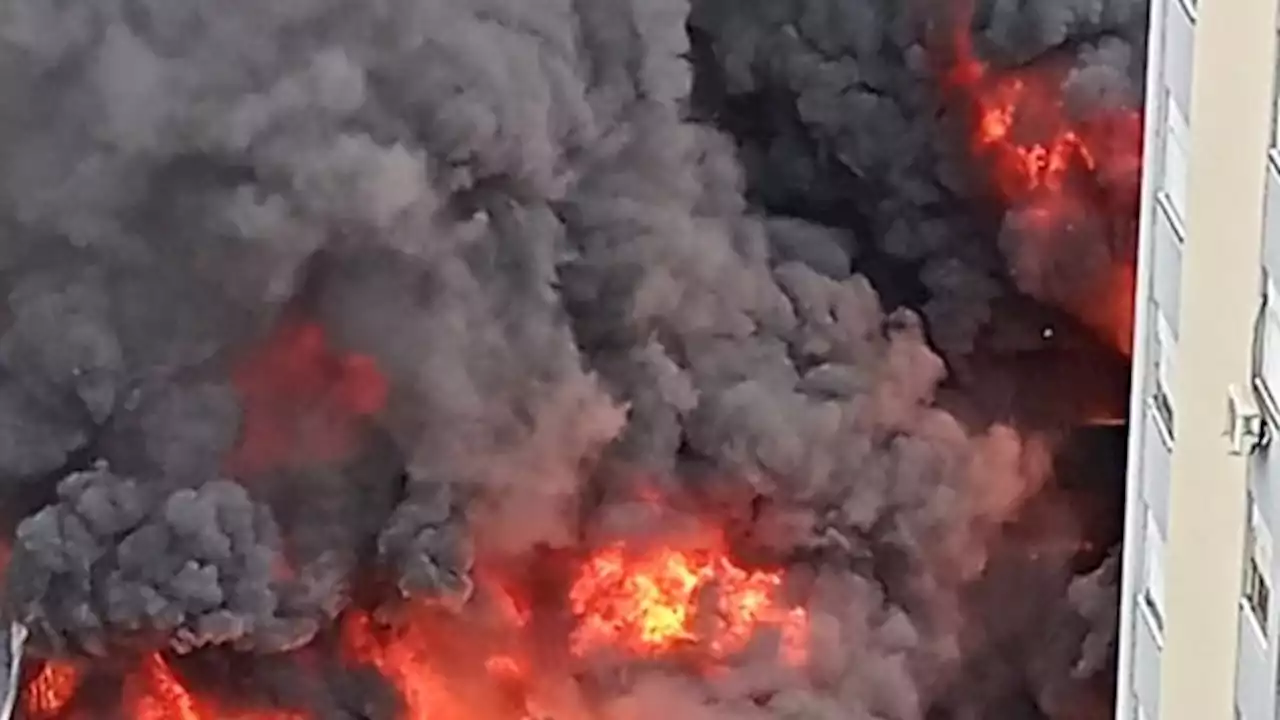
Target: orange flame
x,y
49,693
1024,168
424,692
1041,161
157,694
154,692
488,663
440,668
655,602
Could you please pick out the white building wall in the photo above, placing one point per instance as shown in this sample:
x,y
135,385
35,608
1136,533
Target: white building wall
x,y
1167,191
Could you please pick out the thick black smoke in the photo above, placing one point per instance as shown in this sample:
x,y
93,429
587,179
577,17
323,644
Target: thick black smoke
x,y
841,115
507,205
839,111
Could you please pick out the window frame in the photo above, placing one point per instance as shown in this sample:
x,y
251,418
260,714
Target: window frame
x,y
1175,157
1153,579
1256,587
1164,371
1266,371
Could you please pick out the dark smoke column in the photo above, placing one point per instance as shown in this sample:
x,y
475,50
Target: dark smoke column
x,y
503,213
980,161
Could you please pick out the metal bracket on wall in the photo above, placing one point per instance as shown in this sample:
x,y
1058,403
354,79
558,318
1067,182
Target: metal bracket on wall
x,y
1245,431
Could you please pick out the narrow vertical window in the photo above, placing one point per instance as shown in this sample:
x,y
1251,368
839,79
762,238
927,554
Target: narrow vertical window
x,y
1257,568
1162,395
1153,571
1177,142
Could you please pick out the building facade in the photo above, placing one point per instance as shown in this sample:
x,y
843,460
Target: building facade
x,y
1199,623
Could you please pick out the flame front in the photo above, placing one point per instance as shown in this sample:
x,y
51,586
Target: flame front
x,y
487,662
445,666
658,601
1022,169
424,692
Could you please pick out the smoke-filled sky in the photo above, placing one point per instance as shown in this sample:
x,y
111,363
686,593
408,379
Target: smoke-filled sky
x,y
305,290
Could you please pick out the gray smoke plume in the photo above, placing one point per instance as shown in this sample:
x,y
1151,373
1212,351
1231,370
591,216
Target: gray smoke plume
x,y
506,207
195,567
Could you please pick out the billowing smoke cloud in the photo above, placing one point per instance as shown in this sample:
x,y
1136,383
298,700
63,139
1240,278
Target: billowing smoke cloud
x,y
197,566
515,281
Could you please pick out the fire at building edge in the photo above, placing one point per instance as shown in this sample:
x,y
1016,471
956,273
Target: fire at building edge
x,y
593,359
17,636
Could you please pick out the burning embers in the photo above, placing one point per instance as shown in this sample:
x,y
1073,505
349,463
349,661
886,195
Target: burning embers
x,y
501,657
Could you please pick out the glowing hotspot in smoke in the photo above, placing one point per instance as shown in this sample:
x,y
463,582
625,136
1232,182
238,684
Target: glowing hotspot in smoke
x,y
302,400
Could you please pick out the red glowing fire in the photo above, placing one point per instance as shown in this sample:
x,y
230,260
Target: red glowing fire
x,y
45,697
1062,175
155,692
409,667
152,692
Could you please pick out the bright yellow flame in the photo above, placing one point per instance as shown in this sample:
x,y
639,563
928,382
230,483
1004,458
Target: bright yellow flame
x,y
657,601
